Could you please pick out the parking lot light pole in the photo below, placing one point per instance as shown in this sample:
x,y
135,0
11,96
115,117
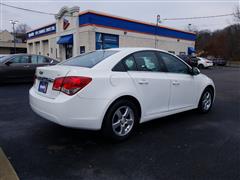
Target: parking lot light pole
x,y
190,27
13,22
156,29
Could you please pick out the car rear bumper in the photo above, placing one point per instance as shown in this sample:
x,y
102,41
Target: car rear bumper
x,y
69,111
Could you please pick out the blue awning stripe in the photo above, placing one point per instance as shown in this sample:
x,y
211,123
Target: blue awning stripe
x,y
67,39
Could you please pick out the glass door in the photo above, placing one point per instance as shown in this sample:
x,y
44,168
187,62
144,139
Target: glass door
x,y
69,50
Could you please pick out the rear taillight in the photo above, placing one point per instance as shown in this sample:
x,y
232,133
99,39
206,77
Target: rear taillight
x,y
70,85
57,84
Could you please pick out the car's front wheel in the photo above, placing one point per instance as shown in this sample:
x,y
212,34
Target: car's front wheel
x,y
120,120
200,66
206,101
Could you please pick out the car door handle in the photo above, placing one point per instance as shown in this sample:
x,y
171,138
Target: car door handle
x,y
26,66
142,82
175,83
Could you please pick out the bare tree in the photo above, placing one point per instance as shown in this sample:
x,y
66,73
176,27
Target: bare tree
x,y
22,28
237,13
224,43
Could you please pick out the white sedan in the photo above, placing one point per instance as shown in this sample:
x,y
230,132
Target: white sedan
x,y
116,89
204,63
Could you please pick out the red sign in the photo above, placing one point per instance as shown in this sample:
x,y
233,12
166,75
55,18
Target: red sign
x,y
65,23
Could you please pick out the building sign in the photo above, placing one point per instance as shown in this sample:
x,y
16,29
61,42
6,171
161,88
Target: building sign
x,y
42,31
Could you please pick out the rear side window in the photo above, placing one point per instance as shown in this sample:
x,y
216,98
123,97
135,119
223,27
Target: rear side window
x,y
34,59
119,67
89,59
147,61
130,63
42,60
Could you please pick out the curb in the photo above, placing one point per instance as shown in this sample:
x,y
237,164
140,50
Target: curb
x,y
7,172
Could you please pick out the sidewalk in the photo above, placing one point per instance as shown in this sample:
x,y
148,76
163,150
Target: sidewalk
x,y
6,170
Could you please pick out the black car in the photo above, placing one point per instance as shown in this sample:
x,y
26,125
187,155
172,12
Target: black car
x,y
192,61
21,67
219,62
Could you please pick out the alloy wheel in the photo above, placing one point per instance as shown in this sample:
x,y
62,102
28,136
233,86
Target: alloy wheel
x,y
123,121
206,101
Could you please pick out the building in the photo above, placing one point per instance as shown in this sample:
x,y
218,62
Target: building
x,y
74,33
7,43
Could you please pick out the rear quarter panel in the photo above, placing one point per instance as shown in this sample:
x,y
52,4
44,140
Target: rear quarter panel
x,y
108,86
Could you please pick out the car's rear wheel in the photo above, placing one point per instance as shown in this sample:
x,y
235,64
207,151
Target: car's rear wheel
x,y
120,120
206,101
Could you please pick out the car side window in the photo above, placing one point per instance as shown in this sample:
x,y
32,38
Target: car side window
x,y
147,61
42,60
119,67
34,59
173,64
20,59
130,63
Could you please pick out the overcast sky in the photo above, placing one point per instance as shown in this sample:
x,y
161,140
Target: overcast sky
x,y
134,9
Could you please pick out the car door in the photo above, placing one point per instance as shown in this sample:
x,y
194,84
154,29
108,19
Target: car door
x,y
18,67
150,79
182,82
34,63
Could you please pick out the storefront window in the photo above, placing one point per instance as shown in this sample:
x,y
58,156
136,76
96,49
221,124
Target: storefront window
x,y
106,41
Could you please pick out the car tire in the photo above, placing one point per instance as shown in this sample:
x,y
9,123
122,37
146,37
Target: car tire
x,y
120,120
200,66
206,101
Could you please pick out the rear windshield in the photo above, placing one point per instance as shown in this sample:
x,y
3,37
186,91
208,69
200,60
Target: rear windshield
x,y
4,58
89,59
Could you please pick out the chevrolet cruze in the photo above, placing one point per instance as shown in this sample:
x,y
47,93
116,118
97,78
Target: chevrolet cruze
x,y
114,90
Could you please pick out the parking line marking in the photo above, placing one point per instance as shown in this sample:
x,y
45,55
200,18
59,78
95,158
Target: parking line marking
x,y
6,170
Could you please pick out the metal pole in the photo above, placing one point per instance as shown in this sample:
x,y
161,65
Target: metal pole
x,y
156,28
189,27
14,35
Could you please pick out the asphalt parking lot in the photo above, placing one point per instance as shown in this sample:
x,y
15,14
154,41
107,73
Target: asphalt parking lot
x,y
184,146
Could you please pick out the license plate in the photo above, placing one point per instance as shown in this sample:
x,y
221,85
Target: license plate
x,y
43,85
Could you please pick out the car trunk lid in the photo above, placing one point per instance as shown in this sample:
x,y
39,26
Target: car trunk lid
x,y
45,77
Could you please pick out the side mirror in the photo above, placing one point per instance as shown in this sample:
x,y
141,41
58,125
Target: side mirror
x,y
8,63
195,71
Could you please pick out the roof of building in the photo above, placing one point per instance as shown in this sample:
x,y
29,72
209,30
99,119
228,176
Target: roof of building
x,y
90,17
131,20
